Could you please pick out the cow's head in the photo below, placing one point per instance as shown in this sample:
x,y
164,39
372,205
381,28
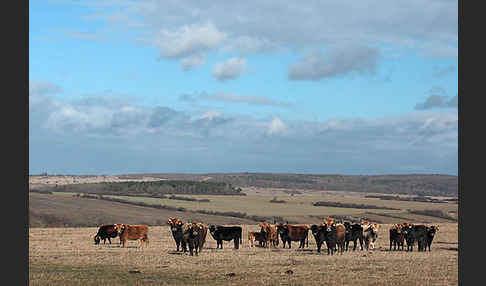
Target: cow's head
x,y
282,228
263,227
196,229
97,239
120,228
212,229
432,230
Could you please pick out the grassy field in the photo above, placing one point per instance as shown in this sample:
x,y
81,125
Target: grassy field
x,y
298,209
67,256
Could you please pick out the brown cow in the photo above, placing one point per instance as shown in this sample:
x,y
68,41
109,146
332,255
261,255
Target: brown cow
x,y
256,236
340,236
202,235
289,233
133,232
271,236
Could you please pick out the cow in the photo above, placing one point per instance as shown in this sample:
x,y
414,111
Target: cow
x,y
271,235
226,233
289,233
415,233
133,232
370,234
106,231
202,238
354,232
192,237
397,237
336,234
176,227
256,236
319,233
431,231
330,237
340,236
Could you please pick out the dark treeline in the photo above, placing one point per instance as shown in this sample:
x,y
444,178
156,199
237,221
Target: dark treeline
x,y
423,199
151,189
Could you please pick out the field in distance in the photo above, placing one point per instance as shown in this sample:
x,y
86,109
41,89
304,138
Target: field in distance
x,y
68,256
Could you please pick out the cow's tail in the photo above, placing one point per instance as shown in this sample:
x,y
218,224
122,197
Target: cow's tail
x,y
241,241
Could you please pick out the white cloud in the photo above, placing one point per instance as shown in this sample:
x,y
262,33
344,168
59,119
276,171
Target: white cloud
x,y
426,139
188,40
338,61
229,69
277,127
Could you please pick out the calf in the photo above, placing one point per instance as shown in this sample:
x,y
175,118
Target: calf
x,y
255,236
106,231
133,232
226,233
271,236
354,232
176,227
431,230
397,237
289,233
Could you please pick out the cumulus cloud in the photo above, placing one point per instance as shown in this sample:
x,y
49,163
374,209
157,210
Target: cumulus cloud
x,y
188,40
338,62
229,69
432,29
438,99
161,138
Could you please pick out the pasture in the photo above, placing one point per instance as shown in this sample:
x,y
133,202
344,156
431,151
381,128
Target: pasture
x,y
299,208
68,256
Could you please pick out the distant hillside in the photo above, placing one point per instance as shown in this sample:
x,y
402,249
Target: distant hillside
x,y
70,211
414,184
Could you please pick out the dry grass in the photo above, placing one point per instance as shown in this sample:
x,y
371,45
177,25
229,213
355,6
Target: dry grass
x,y
68,256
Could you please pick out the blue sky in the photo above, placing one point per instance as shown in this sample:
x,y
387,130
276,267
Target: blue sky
x,y
261,86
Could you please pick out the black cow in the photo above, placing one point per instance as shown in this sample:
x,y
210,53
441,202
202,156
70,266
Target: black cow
x,y
227,233
106,231
397,237
191,237
319,235
354,232
416,233
178,235
431,230
324,233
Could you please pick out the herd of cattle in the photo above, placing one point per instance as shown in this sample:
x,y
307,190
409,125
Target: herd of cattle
x,y
336,235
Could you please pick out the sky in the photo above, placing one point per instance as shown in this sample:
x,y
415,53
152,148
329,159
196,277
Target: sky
x,y
318,87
